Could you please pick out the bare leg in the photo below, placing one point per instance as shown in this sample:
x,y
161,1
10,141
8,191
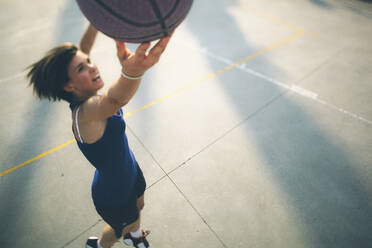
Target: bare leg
x,y
136,225
141,202
109,238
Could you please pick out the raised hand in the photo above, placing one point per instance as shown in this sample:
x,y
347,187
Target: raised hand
x,y
136,64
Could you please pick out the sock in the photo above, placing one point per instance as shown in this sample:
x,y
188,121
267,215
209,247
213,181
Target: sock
x,y
99,244
137,234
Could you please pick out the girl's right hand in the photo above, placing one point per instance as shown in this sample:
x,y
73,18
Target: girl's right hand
x,y
136,64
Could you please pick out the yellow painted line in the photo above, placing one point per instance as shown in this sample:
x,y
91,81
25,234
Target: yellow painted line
x,y
37,157
187,87
229,67
280,22
273,19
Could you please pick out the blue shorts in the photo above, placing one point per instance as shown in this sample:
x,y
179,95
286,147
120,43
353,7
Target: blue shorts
x,y
119,217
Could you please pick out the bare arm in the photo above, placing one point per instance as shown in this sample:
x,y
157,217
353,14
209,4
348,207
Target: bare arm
x,y
123,89
87,41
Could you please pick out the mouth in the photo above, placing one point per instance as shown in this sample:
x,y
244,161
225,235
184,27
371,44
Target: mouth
x,y
97,77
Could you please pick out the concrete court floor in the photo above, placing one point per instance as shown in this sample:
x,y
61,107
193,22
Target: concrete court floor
x,y
254,130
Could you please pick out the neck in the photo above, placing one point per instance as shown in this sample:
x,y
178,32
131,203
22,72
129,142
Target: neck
x,y
83,98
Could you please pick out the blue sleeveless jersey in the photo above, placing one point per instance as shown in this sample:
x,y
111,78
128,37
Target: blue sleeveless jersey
x,y
116,166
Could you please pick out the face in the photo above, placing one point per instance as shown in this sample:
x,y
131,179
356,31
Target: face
x,y
85,80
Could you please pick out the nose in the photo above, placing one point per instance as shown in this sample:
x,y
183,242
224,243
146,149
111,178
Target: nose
x,y
92,67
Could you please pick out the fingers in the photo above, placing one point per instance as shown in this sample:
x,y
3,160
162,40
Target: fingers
x,y
120,49
159,48
140,61
141,49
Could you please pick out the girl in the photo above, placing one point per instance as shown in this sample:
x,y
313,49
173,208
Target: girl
x,y
66,72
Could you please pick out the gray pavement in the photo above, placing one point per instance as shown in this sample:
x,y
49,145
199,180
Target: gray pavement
x,y
254,130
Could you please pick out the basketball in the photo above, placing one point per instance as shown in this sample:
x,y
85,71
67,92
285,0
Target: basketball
x,y
135,21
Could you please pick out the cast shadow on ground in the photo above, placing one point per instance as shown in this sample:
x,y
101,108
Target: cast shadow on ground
x,y
21,189
360,7
318,170
322,4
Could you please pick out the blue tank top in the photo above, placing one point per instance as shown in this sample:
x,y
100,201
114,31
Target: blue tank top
x,y
116,166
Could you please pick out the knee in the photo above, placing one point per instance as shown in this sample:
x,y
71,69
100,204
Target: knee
x,y
132,227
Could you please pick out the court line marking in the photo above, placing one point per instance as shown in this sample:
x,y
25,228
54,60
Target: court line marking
x,y
279,21
37,157
291,87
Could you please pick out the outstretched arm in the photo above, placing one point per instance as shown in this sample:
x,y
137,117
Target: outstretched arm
x,y
121,91
87,41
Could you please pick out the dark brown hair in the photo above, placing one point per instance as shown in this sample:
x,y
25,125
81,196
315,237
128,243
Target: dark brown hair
x,y
49,75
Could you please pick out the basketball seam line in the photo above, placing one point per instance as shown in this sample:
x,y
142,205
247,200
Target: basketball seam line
x,y
159,16
111,11
142,37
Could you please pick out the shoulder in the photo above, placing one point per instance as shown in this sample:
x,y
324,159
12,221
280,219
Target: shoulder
x,y
90,129
87,109
98,108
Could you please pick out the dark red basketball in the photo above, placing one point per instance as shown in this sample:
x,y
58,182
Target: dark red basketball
x,y
135,21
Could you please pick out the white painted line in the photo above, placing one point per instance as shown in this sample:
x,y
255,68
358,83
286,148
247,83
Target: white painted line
x,y
294,88
345,112
304,92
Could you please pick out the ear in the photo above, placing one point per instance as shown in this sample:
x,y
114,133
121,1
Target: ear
x,y
69,87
